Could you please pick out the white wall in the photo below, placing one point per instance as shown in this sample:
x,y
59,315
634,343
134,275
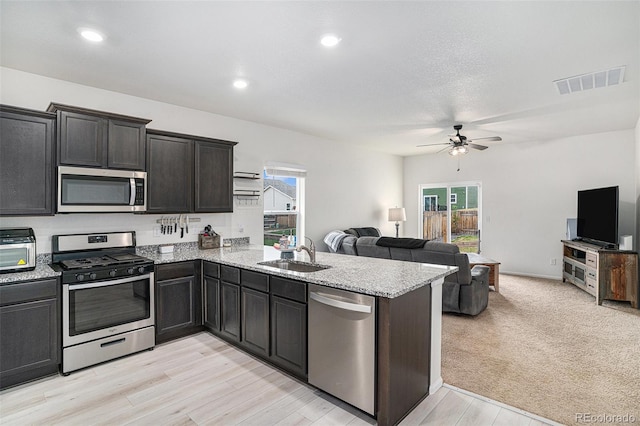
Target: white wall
x,y
345,187
636,239
529,190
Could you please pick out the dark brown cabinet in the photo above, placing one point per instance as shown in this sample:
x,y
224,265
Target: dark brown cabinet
x,y
289,325
169,174
265,315
255,312
178,300
26,162
29,331
188,173
91,138
213,177
211,288
230,303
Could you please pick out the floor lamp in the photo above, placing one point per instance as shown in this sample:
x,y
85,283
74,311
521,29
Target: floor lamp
x,y
397,214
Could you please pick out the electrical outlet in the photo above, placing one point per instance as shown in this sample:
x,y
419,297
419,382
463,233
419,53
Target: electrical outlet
x,y
241,228
553,261
156,231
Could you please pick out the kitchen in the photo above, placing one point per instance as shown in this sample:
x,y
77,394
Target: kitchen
x,y
186,278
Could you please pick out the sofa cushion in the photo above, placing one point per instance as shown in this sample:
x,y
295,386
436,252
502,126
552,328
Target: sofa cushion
x,y
404,243
364,232
366,246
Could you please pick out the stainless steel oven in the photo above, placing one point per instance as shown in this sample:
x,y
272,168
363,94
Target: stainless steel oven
x,y
107,298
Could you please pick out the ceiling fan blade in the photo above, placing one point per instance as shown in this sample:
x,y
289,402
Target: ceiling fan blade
x,y
433,144
443,149
489,139
476,146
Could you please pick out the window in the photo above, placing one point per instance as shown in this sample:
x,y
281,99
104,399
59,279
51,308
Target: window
x,y
458,221
283,187
430,203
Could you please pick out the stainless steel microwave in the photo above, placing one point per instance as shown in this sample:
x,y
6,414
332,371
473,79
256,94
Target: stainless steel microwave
x,y
17,250
87,190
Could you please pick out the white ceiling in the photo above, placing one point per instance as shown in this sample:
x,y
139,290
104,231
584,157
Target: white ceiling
x,y
404,73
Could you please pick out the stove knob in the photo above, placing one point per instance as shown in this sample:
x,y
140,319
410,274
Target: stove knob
x,y
79,277
92,276
112,273
141,269
130,271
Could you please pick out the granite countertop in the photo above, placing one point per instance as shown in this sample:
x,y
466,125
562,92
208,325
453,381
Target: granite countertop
x,y
366,275
372,276
42,271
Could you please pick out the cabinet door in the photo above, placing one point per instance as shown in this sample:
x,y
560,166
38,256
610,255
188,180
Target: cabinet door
x,y
30,341
230,310
213,177
169,174
176,304
126,147
82,139
212,303
255,321
289,335
26,169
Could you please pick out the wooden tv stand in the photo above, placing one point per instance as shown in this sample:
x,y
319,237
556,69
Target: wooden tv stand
x,y
603,273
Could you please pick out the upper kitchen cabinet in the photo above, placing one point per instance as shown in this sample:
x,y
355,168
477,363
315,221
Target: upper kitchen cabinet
x,y
187,174
91,138
213,176
26,161
169,174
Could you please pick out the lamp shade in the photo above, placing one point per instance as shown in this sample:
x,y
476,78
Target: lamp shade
x,y
397,214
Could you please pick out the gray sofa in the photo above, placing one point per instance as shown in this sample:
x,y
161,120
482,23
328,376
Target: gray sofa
x,y
465,292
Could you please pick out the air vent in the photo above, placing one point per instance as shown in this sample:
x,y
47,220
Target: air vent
x,y
592,80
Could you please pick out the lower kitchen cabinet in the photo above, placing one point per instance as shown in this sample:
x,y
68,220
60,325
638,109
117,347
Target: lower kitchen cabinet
x,y
178,300
255,321
211,287
230,311
29,331
289,335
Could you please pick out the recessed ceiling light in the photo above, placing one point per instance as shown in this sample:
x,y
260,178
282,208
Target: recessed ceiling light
x,y
330,40
91,35
240,83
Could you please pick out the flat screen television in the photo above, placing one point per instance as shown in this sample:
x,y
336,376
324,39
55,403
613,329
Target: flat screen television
x,y
598,216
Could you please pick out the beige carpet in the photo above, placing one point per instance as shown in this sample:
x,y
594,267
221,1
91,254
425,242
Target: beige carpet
x,y
545,347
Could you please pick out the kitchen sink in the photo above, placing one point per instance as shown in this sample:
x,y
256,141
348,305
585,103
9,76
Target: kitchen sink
x,y
294,265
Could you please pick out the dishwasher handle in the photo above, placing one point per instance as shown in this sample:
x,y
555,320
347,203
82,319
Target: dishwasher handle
x,y
326,300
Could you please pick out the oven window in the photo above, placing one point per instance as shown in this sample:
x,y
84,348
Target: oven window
x,y
96,308
89,190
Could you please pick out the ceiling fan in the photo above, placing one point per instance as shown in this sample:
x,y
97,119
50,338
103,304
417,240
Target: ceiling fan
x,y
458,144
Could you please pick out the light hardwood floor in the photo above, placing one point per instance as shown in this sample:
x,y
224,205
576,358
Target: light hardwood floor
x,y
202,380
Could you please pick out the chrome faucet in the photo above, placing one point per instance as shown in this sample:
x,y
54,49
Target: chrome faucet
x,y
311,250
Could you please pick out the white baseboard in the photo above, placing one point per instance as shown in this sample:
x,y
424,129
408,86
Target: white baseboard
x,y
435,385
523,274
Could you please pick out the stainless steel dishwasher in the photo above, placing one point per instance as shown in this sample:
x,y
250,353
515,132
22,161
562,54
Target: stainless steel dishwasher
x,y
342,361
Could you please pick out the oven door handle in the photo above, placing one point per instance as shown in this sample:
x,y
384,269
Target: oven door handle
x,y
108,283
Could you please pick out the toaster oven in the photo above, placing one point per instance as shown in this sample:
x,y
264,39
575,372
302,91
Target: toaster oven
x,y
17,250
